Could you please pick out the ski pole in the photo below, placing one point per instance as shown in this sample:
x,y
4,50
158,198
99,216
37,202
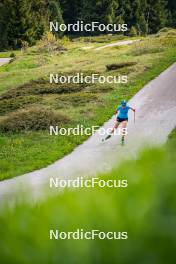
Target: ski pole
x,y
134,116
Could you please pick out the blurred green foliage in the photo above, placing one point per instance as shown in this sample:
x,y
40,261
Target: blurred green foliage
x,y
146,209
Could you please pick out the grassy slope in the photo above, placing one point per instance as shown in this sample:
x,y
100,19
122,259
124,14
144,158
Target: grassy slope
x,y
146,210
25,152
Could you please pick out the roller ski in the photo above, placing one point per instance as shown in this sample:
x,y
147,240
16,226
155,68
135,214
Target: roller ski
x,y
123,141
106,138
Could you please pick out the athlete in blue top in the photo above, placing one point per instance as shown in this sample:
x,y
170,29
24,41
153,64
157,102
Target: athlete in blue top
x,y
122,112
122,118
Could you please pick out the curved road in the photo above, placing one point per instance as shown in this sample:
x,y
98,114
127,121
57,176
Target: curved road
x,y
119,43
114,44
155,118
4,61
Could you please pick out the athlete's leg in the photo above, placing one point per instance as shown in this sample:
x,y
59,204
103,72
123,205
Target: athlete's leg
x,y
117,123
124,125
112,131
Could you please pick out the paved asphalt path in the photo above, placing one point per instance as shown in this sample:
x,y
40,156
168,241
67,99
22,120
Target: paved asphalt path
x,y
155,118
4,61
114,44
119,43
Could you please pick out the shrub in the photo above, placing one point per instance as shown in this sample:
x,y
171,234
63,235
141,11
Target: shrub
x,y
103,88
57,89
32,119
12,55
65,41
133,32
42,86
100,39
49,43
24,46
166,32
8,105
115,66
78,99
165,29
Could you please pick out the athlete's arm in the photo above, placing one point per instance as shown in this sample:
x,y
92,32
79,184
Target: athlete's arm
x,y
133,109
116,111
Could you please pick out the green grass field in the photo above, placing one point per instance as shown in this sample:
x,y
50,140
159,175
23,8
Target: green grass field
x,y
28,102
146,209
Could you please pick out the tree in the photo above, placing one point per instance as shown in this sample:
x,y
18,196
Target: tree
x,y
142,26
55,14
71,10
26,20
17,20
5,6
103,11
171,5
133,32
157,15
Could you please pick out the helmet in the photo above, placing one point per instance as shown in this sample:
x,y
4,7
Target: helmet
x,y
123,103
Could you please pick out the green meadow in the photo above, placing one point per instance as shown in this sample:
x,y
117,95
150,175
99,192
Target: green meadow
x,y
29,104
